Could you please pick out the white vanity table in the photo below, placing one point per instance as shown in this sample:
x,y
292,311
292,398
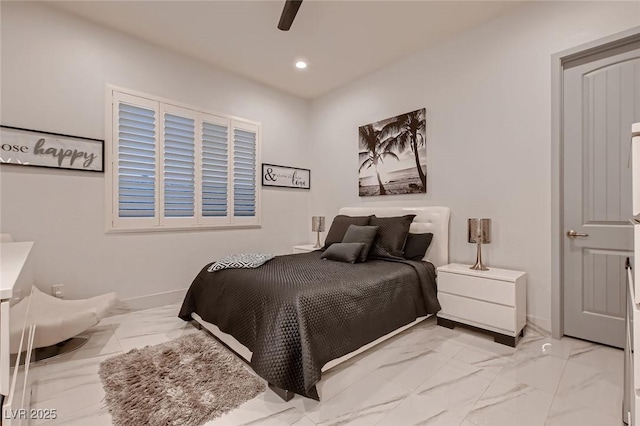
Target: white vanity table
x,y
16,279
631,403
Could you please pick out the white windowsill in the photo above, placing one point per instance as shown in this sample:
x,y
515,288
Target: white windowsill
x,y
144,230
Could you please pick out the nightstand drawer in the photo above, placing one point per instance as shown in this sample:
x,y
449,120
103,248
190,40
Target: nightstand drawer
x,y
479,313
502,292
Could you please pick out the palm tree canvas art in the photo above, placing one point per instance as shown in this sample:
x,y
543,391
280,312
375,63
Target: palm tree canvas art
x,y
393,155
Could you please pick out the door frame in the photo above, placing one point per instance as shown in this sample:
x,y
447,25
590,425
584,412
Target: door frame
x,y
558,61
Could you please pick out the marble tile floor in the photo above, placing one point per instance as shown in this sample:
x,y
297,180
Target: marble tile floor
x,y
427,375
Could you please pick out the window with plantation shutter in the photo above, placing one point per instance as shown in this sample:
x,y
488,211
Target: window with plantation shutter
x,y
172,166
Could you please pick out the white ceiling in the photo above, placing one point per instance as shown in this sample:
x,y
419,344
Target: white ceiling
x,y
341,40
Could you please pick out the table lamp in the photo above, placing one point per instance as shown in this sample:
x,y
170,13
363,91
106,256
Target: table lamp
x,y
479,233
317,225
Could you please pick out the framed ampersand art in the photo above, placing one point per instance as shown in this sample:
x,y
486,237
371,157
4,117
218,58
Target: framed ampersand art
x,y
286,177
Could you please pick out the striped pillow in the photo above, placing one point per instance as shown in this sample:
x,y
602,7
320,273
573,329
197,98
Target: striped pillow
x,y
247,260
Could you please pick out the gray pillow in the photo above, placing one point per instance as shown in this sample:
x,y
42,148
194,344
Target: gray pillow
x,y
391,236
361,234
343,252
416,245
340,225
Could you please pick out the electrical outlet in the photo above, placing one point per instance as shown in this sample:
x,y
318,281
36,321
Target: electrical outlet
x,y
56,291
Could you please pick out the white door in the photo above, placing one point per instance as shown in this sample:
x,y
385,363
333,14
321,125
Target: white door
x,y
601,99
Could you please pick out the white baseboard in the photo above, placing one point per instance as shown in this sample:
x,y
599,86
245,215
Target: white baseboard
x,y
539,325
148,302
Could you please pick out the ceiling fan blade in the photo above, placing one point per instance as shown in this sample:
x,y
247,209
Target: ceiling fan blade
x,y
288,14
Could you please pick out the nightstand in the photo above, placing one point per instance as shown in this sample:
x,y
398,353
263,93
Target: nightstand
x,y
305,248
493,300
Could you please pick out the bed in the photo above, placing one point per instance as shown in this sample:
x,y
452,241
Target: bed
x,y
298,315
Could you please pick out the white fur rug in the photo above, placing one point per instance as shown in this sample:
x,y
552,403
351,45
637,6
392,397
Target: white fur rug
x,y
186,381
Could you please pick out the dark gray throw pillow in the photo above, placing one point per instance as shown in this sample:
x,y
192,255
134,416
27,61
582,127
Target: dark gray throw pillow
x,y
340,225
416,245
361,234
343,252
392,233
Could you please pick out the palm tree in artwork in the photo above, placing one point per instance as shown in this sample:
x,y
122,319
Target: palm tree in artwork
x,y
407,131
373,152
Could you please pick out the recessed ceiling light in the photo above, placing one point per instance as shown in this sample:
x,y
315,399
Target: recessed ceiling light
x,y
301,65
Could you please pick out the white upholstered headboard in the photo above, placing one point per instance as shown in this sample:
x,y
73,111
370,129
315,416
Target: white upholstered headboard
x,y
433,219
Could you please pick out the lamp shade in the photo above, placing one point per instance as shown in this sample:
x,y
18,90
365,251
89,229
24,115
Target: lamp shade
x,y
317,223
479,231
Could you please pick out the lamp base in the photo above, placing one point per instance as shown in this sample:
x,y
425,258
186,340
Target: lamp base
x,y
478,265
317,241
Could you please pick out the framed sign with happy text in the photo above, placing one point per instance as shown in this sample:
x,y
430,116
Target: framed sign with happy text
x,y
26,147
285,177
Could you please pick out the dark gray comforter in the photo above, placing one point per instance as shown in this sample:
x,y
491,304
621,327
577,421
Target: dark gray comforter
x,y
297,312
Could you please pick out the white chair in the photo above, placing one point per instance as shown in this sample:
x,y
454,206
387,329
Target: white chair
x,y
57,320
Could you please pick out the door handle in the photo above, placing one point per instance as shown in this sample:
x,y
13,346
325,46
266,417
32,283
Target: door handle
x,y
572,234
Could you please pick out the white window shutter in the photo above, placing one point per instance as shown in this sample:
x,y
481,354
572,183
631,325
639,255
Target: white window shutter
x,y
245,148
178,165
215,169
135,166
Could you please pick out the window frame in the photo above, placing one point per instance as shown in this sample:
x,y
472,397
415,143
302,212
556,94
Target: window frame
x,y
114,95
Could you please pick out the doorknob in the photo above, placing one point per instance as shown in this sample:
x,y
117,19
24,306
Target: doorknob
x,y
572,234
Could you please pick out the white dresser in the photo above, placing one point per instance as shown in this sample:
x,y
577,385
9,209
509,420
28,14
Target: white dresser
x,y
493,300
631,400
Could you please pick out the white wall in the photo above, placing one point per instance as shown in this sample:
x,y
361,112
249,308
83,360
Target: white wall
x,y
488,99
54,70
487,94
